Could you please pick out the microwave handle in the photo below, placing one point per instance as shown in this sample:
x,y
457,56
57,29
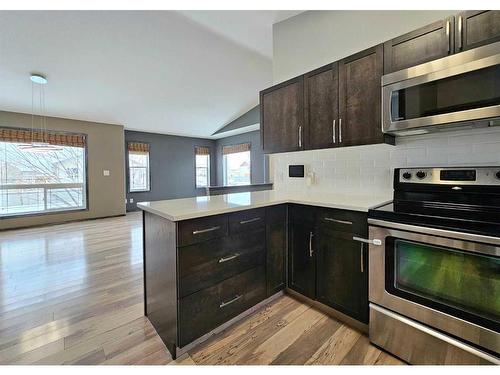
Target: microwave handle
x,y
448,37
460,36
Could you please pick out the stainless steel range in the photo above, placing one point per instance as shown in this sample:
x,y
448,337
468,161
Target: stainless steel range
x,y
434,266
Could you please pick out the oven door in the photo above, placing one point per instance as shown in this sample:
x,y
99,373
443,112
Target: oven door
x,y
447,280
455,89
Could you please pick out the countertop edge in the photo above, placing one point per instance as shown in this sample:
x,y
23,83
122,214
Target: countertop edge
x,y
194,215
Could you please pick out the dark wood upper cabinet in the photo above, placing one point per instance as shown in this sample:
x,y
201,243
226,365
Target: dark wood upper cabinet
x,y
419,46
301,257
321,107
360,98
282,114
475,28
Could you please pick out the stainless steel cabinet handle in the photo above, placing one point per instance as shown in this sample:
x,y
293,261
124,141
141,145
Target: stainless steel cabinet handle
x,y
205,230
333,131
231,257
375,241
311,251
300,136
223,304
362,266
460,34
340,130
338,221
249,220
448,35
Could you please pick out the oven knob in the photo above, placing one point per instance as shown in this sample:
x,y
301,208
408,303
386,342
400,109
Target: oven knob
x,y
407,175
498,175
421,174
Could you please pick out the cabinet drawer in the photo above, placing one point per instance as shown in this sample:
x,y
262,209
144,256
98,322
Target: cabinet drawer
x,y
247,221
344,221
205,264
203,311
202,229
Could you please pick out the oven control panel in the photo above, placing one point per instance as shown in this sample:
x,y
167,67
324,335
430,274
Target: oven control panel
x,y
450,176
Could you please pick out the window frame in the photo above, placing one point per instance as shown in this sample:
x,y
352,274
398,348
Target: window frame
x,y
86,180
209,167
224,166
129,185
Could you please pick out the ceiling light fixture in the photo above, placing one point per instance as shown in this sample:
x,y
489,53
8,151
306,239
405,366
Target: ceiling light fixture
x,y
39,136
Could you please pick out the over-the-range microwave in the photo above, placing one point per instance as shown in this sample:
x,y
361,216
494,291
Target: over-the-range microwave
x,y
457,90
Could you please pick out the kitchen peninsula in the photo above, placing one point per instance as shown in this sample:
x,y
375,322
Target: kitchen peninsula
x,y
209,261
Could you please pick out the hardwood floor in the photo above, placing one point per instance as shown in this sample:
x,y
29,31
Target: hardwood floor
x,y
73,294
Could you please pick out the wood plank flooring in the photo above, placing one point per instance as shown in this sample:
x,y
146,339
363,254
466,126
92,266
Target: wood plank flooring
x,y
73,294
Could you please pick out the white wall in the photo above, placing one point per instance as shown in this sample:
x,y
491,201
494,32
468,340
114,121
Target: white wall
x,y
313,39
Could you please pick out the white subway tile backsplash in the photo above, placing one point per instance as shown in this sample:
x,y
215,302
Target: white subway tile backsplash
x,y
367,169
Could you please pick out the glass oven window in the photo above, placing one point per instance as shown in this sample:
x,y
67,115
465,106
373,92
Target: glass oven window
x,y
475,89
464,284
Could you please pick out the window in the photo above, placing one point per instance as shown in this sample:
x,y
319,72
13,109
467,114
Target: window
x,y
138,167
40,182
236,164
202,155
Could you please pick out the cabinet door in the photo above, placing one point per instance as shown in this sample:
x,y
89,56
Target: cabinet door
x,y
342,281
281,116
321,107
476,28
276,247
301,256
360,98
416,47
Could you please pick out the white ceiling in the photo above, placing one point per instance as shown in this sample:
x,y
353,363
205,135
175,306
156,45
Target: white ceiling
x,y
186,73
250,28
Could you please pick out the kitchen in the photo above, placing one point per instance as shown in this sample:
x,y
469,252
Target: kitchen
x,y
366,230
318,242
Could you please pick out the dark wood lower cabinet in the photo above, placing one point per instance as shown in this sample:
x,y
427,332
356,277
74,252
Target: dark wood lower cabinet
x,y
276,236
301,257
201,273
203,311
342,281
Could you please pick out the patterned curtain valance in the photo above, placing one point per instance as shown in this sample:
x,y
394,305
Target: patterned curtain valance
x,y
51,137
232,149
138,147
202,150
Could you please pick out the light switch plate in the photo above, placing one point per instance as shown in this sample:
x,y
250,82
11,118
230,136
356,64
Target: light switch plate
x,y
105,172
131,200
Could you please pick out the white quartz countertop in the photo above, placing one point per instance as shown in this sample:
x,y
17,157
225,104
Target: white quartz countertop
x,y
189,208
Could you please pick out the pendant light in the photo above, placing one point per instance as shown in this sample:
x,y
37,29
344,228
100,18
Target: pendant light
x,y
40,142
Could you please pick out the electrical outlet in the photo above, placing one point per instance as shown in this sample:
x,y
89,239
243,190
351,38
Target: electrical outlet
x,y
131,200
105,172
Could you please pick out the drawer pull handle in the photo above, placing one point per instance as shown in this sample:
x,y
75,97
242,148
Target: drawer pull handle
x,y
375,241
231,257
224,304
338,221
250,220
205,230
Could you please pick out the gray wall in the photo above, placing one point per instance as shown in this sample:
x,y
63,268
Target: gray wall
x,y
258,159
315,38
172,167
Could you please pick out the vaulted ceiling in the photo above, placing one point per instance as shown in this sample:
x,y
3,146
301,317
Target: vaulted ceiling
x,y
187,73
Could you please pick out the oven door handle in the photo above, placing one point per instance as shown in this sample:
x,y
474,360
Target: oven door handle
x,y
375,241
